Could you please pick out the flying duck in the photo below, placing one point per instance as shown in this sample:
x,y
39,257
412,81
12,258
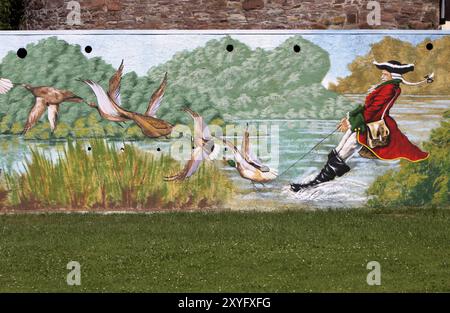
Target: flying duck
x,y
109,106
203,148
46,98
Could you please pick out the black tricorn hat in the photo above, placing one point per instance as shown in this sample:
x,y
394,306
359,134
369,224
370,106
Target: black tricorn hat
x,y
394,67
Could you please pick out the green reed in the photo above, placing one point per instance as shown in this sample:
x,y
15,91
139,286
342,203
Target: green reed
x,y
107,177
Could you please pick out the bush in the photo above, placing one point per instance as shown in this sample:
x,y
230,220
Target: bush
x,y
418,184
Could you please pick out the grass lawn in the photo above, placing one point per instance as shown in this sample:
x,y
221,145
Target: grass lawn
x,y
288,251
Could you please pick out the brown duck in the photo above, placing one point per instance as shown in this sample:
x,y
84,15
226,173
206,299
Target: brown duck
x,y
109,107
46,98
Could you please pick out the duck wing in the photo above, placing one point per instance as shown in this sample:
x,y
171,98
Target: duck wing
x,y
201,130
191,166
5,85
104,101
237,154
53,115
248,154
148,122
114,85
35,114
156,99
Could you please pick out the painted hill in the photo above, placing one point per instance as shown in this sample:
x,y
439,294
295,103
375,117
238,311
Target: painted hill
x,y
364,74
221,85
261,84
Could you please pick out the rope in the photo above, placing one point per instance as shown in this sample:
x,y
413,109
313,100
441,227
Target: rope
x,y
307,153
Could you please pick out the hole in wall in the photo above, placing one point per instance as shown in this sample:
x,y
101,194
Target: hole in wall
x,y
230,48
429,46
88,49
297,48
22,53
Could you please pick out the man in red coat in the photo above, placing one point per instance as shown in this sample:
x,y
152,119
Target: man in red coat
x,y
378,103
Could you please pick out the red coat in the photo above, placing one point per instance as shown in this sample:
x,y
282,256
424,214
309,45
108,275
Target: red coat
x,y
399,147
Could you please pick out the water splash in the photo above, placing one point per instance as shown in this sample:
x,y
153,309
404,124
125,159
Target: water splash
x,y
336,193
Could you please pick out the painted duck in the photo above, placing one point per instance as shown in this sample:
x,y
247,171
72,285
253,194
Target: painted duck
x,y
247,164
204,148
46,98
109,107
105,108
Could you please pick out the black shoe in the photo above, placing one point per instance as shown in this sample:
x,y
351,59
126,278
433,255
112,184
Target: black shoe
x,y
298,187
334,167
326,174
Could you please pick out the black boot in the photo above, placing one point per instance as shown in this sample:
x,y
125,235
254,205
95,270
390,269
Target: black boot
x,y
333,153
334,167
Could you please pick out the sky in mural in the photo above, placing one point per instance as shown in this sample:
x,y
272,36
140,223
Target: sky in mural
x,y
141,52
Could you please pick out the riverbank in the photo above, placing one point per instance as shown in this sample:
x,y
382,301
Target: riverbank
x,y
227,251
101,177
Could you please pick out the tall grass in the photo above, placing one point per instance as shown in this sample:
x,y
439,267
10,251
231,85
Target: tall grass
x,y
3,194
108,177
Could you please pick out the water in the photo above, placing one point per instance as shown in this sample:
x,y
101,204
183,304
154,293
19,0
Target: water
x,y
416,116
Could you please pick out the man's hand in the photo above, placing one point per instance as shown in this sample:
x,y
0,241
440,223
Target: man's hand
x,y
344,125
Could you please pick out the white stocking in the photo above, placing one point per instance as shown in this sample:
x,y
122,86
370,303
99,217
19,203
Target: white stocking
x,y
348,146
343,140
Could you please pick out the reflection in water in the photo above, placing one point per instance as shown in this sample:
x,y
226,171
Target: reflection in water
x,y
415,116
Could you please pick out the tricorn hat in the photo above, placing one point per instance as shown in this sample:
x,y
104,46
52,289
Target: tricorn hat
x,y
395,67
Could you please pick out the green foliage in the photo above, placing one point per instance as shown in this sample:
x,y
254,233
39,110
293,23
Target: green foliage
x,y
364,74
133,132
216,83
5,124
249,84
418,184
107,177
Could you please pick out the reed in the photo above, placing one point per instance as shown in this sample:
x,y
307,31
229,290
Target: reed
x,y
107,177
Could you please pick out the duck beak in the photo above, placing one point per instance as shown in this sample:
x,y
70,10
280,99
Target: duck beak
x,y
224,161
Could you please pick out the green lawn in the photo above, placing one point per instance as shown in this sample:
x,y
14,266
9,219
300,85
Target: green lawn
x,y
227,251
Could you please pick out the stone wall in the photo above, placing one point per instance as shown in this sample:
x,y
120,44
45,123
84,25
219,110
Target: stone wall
x,y
233,14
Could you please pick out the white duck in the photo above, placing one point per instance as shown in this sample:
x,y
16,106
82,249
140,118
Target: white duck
x,y
204,148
